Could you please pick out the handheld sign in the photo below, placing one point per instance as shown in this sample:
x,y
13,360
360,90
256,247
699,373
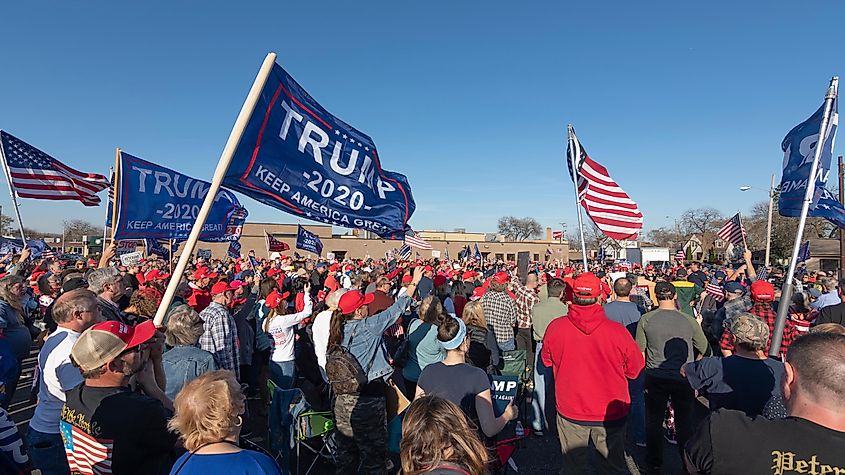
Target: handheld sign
x,y
131,258
125,247
157,202
503,390
296,156
308,241
204,253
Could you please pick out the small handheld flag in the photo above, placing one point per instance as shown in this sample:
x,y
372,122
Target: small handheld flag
x,y
275,245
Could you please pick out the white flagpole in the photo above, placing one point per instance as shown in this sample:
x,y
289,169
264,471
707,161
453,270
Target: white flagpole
x,y
12,194
786,293
219,173
576,148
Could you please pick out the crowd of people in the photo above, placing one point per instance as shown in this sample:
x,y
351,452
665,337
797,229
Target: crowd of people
x,y
616,356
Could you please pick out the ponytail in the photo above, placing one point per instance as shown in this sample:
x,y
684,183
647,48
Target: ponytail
x,y
447,328
336,328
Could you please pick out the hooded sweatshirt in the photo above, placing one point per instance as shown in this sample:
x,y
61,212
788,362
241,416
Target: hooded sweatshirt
x,y
592,359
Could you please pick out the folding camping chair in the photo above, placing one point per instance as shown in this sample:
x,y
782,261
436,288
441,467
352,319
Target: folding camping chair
x,y
513,379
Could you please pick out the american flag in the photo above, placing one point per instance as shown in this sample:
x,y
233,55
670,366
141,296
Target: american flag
x,y
48,253
680,255
34,174
86,454
275,245
613,211
414,240
733,231
716,291
557,234
404,252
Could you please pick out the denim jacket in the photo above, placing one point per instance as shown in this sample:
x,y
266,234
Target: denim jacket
x,y
363,339
183,364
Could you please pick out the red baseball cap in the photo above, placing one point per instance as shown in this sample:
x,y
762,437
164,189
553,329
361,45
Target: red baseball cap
x,y
353,300
334,267
219,288
428,269
501,277
274,298
478,292
156,274
236,284
762,291
439,280
407,278
586,285
205,274
468,275
104,341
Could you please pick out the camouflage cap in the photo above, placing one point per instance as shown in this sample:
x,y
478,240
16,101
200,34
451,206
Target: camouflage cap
x,y
747,328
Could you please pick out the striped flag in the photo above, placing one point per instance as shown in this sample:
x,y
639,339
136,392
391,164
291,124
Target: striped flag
x,y
275,245
86,454
680,255
34,174
48,253
414,240
716,291
557,235
763,273
733,231
404,252
610,208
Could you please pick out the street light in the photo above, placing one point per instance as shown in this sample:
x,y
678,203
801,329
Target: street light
x,y
769,224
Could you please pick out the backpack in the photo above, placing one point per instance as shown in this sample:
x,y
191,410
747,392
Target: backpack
x,y
344,372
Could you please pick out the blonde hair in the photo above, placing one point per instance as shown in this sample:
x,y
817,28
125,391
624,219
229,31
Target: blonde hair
x,y
434,426
207,409
184,326
6,295
66,303
430,309
474,314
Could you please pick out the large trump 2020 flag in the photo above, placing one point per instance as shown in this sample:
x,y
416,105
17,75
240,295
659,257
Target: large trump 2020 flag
x,y
296,156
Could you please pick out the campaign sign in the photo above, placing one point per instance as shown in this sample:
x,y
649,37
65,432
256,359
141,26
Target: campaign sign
x,y
125,247
308,241
503,390
131,259
296,156
157,202
14,246
204,253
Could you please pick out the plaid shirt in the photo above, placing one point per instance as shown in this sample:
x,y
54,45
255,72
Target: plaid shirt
x,y
764,311
500,312
525,299
736,306
220,337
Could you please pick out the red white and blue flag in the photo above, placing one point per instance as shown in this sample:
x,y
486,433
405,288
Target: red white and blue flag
x,y
275,245
716,291
86,454
414,240
34,174
606,203
733,231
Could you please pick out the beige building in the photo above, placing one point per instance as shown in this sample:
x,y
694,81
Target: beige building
x,y
360,245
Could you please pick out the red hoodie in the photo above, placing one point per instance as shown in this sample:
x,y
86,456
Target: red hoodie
x,y
592,358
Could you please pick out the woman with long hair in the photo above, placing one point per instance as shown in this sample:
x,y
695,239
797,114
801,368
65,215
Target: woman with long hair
x,y
361,417
13,324
280,325
208,417
423,348
437,438
483,351
462,383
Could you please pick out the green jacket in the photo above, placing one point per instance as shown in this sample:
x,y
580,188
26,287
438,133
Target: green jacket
x,y
544,312
687,292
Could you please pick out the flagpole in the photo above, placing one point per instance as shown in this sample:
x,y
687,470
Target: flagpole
x,y
222,166
742,229
170,254
267,244
116,198
786,293
12,194
106,228
574,143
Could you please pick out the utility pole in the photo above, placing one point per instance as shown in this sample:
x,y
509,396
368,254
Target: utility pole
x,y
841,234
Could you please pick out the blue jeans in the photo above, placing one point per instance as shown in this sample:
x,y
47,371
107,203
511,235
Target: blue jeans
x,y
47,452
637,417
509,345
543,380
283,373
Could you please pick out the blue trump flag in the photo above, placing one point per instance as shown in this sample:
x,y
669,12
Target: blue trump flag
x,y
157,202
157,247
308,241
804,251
296,156
798,149
234,250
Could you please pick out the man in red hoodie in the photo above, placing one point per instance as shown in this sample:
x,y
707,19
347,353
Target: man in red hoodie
x,y
592,358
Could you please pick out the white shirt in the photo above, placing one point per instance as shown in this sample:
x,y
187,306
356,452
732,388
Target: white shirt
x,y
56,376
281,328
320,335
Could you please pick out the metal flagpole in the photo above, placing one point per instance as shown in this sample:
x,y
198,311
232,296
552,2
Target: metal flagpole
x,y
742,229
769,224
219,173
576,149
12,194
786,293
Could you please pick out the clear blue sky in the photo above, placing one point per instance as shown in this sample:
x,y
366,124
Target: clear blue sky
x,y
682,101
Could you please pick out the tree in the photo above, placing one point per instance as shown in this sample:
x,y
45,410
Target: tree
x,y
666,237
76,228
783,229
5,225
704,222
519,229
